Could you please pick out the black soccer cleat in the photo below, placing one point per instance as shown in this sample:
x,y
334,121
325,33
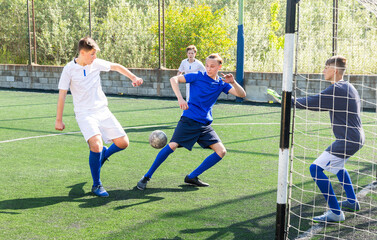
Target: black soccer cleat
x,y
195,181
142,184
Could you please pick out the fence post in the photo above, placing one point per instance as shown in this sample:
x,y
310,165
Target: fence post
x,y
90,20
28,30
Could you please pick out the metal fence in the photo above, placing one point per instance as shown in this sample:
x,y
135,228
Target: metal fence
x,y
46,32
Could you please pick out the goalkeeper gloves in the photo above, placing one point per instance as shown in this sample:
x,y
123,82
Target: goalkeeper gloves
x,y
274,94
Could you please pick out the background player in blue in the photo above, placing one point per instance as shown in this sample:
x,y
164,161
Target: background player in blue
x,y
82,77
342,101
195,123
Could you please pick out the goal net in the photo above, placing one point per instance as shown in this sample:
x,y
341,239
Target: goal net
x,y
347,28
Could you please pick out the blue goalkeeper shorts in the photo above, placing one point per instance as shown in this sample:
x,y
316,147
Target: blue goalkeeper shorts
x,y
189,131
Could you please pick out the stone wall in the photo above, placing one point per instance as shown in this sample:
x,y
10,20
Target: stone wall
x,y
157,84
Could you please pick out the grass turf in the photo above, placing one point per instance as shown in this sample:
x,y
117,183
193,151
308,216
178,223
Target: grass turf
x,y
46,181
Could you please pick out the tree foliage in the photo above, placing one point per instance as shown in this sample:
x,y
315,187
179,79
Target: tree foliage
x,y
197,25
127,32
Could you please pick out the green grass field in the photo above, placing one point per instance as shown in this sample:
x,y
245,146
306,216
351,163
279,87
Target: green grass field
x,y
45,182
45,178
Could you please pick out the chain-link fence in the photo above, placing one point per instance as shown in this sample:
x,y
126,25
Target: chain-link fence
x,y
127,31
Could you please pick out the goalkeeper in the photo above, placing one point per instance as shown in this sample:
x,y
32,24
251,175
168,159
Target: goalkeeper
x,y
342,101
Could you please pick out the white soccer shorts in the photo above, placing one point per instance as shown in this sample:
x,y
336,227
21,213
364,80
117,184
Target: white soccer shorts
x,y
330,163
101,122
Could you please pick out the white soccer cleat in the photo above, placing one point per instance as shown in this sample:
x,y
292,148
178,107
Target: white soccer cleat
x,y
329,216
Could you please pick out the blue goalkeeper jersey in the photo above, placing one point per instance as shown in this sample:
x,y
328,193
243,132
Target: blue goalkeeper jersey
x,y
204,92
342,101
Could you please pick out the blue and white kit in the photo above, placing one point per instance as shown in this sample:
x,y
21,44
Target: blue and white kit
x,y
342,101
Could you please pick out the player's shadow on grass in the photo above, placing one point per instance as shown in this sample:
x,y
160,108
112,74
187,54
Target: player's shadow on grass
x,y
240,230
135,194
77,194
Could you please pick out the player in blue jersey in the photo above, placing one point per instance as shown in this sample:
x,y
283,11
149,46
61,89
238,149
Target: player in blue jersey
x,y
195,123
96,122
342,101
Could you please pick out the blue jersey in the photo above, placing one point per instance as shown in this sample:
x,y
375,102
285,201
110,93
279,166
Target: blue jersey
x,y
204,92
342,101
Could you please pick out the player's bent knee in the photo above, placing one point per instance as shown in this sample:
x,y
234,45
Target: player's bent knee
x,y
96,147
221,152
173,146
95,144
122,142
123,145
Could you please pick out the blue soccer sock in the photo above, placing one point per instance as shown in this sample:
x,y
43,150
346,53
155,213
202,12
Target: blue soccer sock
x,y
325,186
95,167
345,180
161,156
112,149
206,164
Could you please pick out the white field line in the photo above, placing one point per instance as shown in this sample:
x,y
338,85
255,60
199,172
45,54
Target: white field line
x,y
318,226
138,127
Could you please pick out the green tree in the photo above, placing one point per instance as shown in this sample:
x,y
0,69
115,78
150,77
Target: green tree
x,y
124,36
197,25
60,24
275,42
13,32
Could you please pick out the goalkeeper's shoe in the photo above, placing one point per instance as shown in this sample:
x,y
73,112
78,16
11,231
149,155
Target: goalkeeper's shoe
x,y
274,94
99,191
103,159
142,184
329,216
195,181
350,207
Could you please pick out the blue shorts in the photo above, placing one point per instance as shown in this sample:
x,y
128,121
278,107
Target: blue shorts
x,y
189,131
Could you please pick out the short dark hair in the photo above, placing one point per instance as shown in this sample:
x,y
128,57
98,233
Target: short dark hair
x,y
191,47
215,56
338,61
87,44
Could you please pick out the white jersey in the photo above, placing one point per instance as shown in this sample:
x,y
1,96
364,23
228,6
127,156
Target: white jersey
x,y
187,67
85,84
195,66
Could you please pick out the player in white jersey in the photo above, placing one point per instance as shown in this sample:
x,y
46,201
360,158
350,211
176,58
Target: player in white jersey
x,y
190,65
82,77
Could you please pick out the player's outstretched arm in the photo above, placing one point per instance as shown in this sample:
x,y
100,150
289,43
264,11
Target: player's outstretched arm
x,y
136,81
237,90
174,81
59,125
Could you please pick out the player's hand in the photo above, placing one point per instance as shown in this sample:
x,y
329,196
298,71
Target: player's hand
x,y
228,78
137,82
59,125
183,104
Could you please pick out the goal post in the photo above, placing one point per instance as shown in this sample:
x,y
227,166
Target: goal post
x,y
299,199
282,189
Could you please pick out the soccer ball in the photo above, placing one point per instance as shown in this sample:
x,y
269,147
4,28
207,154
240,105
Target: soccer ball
x,y
158,139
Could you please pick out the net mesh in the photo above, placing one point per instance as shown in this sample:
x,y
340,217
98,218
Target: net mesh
x,y
370,5
312,129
